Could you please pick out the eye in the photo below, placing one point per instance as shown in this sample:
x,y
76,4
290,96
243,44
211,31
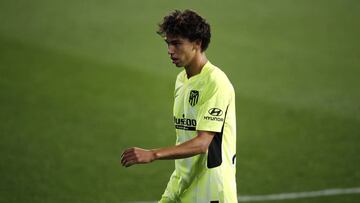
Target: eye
x,y
177,44
174,43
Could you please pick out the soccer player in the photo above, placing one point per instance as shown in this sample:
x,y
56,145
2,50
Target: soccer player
x,y
204,119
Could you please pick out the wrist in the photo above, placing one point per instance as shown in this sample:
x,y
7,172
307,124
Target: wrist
x,y
155,155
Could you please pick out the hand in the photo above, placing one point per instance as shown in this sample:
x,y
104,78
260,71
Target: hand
x,y
136,155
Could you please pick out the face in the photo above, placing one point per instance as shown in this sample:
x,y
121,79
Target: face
x,y
181,51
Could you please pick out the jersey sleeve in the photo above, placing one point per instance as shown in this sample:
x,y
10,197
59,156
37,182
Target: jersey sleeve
x,y
212,112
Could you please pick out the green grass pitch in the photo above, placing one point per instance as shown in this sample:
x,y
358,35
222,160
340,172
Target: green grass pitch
x,y
82,80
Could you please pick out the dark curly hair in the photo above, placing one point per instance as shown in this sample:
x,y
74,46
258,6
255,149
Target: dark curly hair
x,y
187,24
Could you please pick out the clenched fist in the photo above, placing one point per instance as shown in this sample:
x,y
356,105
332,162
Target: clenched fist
x,y
136,155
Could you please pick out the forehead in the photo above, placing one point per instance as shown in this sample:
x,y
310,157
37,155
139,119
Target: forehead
x,y
172,38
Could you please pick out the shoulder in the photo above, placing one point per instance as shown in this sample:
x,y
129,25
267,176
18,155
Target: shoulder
x,y
216,78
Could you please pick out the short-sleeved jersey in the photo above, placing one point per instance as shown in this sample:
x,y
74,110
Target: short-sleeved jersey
x,y
205,102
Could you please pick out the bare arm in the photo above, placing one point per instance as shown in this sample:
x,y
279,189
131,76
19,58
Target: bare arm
x,y
197,145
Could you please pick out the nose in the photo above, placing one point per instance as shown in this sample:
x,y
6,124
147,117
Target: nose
x,y
170,49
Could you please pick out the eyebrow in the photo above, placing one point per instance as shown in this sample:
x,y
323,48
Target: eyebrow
x,y
172,41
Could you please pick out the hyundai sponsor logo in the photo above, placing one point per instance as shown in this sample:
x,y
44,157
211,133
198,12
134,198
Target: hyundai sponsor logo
x,y
215,112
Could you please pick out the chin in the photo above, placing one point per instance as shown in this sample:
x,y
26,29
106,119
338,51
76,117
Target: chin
x,y
178,65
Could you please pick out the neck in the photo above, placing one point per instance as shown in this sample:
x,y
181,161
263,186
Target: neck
x,y
196,65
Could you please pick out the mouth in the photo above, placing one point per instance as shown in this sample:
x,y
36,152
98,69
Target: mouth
x,y
174,60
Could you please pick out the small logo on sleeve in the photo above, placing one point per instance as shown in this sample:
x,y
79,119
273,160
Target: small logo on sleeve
x,y
215,112
194,97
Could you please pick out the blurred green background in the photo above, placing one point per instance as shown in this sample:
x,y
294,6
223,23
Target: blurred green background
x,y
80,81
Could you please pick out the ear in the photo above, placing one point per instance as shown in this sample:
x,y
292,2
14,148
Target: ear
x,y
197,44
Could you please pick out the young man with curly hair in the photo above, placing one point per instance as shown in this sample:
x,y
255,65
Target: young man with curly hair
x,y
204,119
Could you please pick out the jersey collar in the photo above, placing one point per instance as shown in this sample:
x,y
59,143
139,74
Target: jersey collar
x,y
202,72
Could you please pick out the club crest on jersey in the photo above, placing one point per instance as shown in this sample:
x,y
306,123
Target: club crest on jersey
x,y
194,97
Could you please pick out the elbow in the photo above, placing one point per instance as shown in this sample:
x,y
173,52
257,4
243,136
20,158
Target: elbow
x,y
203,141
203,148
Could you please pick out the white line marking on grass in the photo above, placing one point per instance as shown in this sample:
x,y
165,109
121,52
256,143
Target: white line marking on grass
x,y
293,195
298,195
